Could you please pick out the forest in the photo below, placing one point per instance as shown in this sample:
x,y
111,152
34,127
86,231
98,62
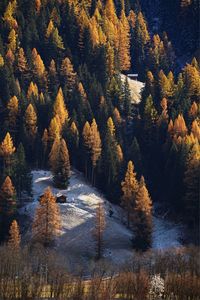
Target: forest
x,y
67,112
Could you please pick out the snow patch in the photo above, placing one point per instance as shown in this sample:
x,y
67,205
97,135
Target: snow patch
x,y
136,88
76,240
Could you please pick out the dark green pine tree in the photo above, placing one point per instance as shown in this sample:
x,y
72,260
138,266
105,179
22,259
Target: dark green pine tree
x,y
127,98
192,187
110,161
22,177
134,154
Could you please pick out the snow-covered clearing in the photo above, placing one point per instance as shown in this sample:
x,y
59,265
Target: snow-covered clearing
x,y
76,240
136,88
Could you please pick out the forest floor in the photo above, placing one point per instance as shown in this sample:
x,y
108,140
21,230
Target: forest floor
x,y
76,242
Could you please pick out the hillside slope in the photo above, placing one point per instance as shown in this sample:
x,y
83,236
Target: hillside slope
x,y
76,242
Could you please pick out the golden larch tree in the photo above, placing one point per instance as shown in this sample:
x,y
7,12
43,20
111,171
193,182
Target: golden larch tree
x,y
132,18
30,122
53,155
12,40
75,134
120,155
111,126
117,117
7,147
14,236
7,150
59,108
54,129
95,146
50,29
60,163
164,85
68,74
37,5
82,91
13,112
142,218
10,57
52,68
124,43
110,11
95,143
180,128
193,110
1,61
196,129
47,222
32,90
110,59
45,139
129,190
8,203
22,64
39,68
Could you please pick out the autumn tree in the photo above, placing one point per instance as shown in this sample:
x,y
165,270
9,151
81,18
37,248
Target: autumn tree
x,y
59,108
12,41
142,218
22,64
110,59
95,146
53,36
129,190
32,92
47,223
39,68
164,85
150,85
8,16
117,117
68,74
99,229
54,130
13,112
14,236
60,163
180,128
124,43
30,122
8,203
7,150
141,38
196,129
194,110
110,11
53,82
191,79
